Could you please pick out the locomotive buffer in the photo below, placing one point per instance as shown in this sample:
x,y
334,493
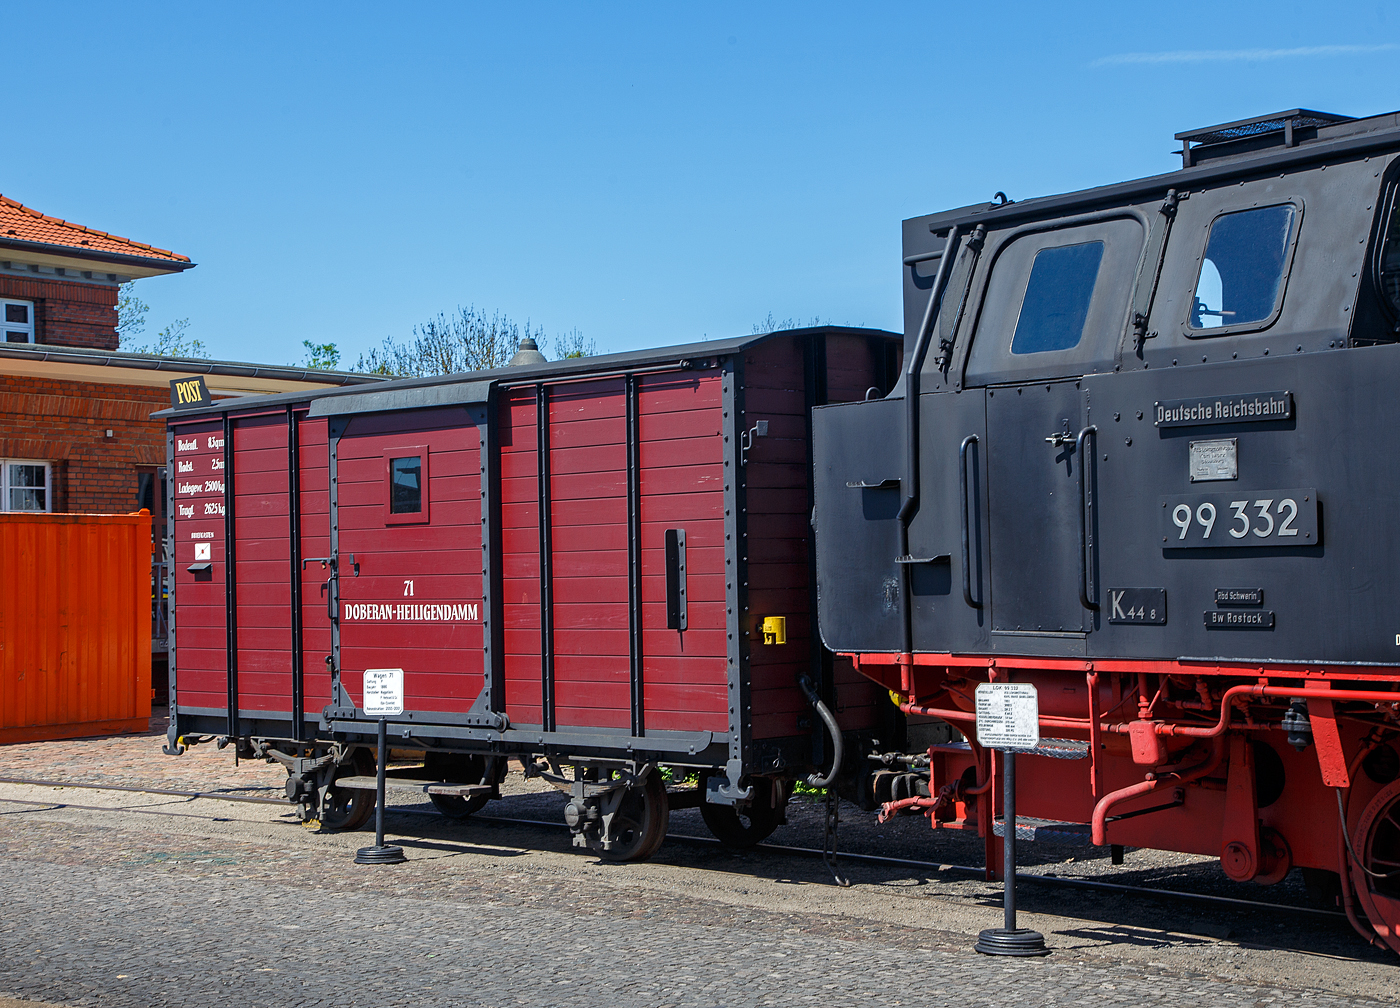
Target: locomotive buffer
x,y
1008,719
384,699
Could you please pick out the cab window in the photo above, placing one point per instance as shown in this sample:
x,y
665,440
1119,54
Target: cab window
x,y
1054,301
1057,298
1242,272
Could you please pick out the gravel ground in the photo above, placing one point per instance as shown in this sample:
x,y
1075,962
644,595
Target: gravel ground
x,y
136,899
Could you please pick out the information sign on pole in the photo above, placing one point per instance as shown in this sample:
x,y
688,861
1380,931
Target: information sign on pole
x,y
1008,716
383,692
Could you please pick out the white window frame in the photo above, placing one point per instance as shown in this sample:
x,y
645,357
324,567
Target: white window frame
x,y
12,327
5,484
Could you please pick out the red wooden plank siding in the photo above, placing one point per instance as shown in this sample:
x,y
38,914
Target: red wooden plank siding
x,y
520,555
588,487
262,528
685,681
200,662
314,463
416,601
778,504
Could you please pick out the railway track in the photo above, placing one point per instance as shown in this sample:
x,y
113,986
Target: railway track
x,y
1202,899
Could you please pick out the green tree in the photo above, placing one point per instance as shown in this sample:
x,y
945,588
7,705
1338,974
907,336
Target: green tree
x,y
321,356
573,344
771,324
172,341
131,314
466,340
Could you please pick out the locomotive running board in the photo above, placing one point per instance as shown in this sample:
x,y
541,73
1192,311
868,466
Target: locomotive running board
x,y
1031,828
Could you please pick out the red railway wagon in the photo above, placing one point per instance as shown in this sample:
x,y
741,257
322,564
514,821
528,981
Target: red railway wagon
x,y
600,566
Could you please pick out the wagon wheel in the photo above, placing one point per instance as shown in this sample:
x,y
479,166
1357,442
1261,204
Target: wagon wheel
x,y
460,770
1375,838
349,808
639,824
748,826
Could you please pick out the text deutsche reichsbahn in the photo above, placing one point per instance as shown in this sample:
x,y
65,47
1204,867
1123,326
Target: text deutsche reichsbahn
x,y
1226,409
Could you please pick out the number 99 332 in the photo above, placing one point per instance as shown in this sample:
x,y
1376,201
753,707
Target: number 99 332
x,y
1241,518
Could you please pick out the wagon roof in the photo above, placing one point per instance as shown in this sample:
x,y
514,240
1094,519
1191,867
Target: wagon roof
x,y
601,364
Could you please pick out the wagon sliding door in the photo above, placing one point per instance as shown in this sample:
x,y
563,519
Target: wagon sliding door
x,y
406,533
612,521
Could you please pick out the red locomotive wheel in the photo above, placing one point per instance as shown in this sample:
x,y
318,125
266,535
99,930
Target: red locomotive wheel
x,y
1376,841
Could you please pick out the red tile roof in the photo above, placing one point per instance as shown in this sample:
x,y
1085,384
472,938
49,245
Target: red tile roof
x,y
19,223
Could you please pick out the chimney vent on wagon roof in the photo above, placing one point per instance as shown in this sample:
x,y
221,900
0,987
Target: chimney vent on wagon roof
x,y
527,353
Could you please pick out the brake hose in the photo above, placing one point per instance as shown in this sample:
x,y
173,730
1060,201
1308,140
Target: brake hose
x,y
832,728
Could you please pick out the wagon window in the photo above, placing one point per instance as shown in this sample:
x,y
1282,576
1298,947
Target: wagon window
x,y
1242,272
1057,298
406,485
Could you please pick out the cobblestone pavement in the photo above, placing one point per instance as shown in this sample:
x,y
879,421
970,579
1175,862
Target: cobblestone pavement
x,y
122,899
94,917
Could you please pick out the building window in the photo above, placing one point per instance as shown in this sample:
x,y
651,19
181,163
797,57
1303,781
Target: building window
x,y
26,485
19,321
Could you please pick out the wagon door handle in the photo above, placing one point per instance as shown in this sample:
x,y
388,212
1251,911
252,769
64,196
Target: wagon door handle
x,y
966,521
1086,510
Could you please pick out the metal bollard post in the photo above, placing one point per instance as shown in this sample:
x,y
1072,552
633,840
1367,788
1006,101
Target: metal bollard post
x,y
1009,940
380,854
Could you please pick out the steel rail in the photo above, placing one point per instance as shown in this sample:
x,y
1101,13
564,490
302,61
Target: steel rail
x,y
146,790
1051,880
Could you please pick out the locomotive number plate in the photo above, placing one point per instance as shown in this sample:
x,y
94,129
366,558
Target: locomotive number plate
x,y
1143,606
1241,518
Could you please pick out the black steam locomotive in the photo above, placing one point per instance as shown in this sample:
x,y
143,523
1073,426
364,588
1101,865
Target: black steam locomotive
x,y
1142,455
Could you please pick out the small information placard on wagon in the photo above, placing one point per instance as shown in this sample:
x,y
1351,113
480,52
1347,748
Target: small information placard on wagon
x,y
1008,716
383,692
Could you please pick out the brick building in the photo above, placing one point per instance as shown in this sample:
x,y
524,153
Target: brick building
x,y
75,427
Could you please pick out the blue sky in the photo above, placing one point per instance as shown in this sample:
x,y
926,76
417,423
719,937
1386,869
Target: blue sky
x,y
647,173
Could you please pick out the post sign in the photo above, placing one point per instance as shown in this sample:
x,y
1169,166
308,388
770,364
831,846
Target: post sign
x,y
189,392
383,692
1008,716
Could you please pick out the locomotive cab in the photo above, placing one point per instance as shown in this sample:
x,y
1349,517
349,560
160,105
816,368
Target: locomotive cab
x,y
1140,455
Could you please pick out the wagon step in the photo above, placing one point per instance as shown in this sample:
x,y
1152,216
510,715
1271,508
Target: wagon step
x,y
1031,828
421,786
1060,748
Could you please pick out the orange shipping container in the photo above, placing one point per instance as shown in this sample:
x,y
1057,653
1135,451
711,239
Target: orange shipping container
x,y
75,625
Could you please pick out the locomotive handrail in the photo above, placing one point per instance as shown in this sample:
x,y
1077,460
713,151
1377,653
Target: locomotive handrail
x,y
1086,508
965,521
912,369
